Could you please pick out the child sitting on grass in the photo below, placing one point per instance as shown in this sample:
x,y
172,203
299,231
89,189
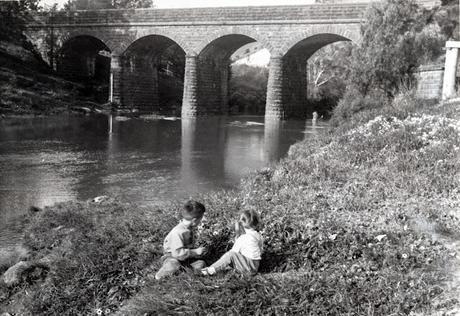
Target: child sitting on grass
x,y
246,253
178,243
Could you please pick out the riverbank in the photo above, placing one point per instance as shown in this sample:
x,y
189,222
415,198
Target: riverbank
x,y
29,88
360,220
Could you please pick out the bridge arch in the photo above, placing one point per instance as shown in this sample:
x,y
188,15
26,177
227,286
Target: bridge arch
x,y
86,58
288,71
152,73
100,35
219,34
142,33
213,64
320,33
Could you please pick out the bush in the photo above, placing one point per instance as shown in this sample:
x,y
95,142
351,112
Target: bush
x,y
355,108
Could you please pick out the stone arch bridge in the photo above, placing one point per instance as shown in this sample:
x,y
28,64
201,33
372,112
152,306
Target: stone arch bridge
x,y
135,48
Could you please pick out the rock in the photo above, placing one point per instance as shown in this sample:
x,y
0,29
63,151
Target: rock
x,y
34,209
99,199
13,275
11,255
25,271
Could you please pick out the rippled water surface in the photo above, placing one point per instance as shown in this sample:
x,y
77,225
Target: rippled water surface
x,y
54,159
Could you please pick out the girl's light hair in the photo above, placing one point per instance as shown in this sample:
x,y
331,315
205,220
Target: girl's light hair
x,y
249,219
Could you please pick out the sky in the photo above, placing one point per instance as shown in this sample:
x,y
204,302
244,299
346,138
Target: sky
x,y
207,3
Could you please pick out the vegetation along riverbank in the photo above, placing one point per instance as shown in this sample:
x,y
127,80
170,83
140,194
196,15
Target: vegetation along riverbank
x,y
361,220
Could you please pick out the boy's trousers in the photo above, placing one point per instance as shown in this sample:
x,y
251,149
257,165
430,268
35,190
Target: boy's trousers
x,y
172,265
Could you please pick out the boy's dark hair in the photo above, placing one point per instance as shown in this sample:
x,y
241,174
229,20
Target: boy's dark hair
x,y
193,209
250,218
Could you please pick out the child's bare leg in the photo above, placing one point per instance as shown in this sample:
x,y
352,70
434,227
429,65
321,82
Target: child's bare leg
x,y
236,260
169,267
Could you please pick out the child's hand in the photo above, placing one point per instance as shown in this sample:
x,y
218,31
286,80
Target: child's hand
x,y
199,251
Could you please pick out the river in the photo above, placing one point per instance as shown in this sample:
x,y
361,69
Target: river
x,y
46,160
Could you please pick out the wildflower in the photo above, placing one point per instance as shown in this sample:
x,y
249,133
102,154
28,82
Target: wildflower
x,y
404,256
98,311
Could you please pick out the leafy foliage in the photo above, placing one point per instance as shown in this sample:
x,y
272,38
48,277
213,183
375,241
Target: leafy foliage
x,y
248,87
397,37
386,56
107,4
13,16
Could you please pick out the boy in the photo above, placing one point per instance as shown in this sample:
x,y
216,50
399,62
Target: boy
x,y
178,243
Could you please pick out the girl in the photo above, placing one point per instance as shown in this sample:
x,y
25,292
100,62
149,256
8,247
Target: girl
x,y
246,253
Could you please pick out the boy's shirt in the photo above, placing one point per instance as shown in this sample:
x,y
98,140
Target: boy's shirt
x,y
178,242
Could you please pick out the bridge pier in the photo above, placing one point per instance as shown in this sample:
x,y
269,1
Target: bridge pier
x,y
115,79
274,103
190,98
205,87
287,88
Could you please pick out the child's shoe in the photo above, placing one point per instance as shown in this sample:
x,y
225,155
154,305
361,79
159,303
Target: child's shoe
x,y
208,271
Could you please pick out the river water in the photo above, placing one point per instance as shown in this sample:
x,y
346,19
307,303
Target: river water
x,y
53,159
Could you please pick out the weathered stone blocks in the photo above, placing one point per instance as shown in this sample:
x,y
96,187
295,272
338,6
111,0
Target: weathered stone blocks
x,y
430,81
277,28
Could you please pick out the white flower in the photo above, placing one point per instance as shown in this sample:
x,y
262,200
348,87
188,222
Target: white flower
x,y
333,236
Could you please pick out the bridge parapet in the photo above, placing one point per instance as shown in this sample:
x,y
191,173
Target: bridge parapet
x,y
271,14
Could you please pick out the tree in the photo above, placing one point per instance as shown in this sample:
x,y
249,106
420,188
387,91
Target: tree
x,y
107,4
327,70
387,54
13,17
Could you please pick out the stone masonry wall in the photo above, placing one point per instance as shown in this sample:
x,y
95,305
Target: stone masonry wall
x,y
218,14
278,29
429,81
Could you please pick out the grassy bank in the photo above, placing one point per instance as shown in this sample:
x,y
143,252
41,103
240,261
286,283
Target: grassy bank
x,y
356,222
28,87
